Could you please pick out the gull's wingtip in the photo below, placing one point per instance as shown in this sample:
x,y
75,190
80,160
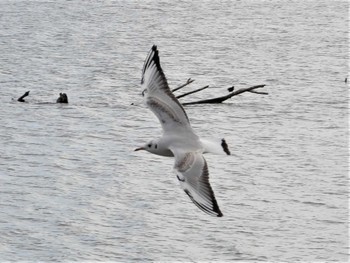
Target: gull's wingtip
x,y
214,211
217,209
225,147
153,56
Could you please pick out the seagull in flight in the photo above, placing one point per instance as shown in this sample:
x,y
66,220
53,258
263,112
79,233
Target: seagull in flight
x,y
179,139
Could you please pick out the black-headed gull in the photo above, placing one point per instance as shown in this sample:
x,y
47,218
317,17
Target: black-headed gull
x,y
179,139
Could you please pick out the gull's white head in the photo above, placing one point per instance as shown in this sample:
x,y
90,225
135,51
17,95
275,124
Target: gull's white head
x,y
155,147
149,146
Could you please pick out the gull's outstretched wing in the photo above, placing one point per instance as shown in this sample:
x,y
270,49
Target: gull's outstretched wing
x,y
159,97
192,172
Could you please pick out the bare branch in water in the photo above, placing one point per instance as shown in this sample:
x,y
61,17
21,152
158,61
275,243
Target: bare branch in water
x,y
189,81
218,99
191,92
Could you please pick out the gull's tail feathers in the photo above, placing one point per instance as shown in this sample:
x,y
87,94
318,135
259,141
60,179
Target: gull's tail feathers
x,y
215,146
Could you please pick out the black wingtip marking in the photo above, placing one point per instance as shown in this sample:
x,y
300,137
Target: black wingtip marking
x,y
156,58
225,147
151,57
216,208
220,214
214,211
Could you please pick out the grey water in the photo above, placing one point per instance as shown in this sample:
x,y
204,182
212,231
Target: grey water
x,y
73,189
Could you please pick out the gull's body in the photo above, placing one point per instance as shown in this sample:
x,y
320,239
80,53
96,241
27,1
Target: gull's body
x,y
179,139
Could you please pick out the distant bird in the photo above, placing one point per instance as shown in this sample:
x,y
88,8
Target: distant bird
x,y
179,140
63,98
231,89
21,99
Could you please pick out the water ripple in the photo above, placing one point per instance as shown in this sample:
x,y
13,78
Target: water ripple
x,y
72,189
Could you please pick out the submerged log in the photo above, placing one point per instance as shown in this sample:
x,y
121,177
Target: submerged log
x,y
218,99
63,98
21,99
223,98
258,92
189,81
191,92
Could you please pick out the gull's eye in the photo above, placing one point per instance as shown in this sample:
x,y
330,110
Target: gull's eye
x,y
149,145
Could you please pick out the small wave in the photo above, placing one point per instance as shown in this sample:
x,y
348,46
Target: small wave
x,y
313,203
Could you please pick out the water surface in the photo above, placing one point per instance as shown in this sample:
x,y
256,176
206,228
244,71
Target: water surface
x,y
72,189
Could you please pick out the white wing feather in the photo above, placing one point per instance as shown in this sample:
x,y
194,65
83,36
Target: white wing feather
x,y
159,98
192,172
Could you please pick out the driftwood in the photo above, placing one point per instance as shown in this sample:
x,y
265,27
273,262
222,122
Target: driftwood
x,y
21,99
217,99
63,98
189,81
191,92
258,92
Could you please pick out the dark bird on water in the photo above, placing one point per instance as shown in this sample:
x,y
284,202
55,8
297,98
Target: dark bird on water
x,y
231,89
63,98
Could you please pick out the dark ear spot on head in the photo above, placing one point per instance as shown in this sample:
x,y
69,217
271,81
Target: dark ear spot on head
x,y
156,146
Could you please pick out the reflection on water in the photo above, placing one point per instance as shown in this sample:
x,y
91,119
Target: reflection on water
x,y
73,189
